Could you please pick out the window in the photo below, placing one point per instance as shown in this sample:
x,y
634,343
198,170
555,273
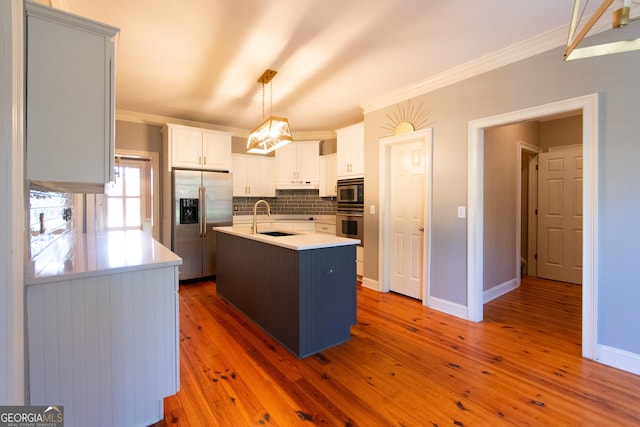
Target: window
x,y
128,198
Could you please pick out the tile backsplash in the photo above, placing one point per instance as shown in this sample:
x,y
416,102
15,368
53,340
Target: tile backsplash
x,y
51,217
289,202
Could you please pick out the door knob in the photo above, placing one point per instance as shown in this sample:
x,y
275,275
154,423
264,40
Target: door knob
x,y
421,228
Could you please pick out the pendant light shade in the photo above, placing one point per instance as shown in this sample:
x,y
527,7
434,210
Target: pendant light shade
x,y
273,132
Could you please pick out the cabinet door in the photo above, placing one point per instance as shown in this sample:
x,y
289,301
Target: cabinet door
x,y
307,162
253,176
350,151
261,178
328,175
357,151
186,147
239,171
216,151
69,101
286,164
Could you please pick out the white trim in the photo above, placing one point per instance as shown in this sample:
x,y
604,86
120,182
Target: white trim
x,y
152,119
371,284
589,106
501,289
154,157
12,212
620,359
532,262
426,137
520,147
448,307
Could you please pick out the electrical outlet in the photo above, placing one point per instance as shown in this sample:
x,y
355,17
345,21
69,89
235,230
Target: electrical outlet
x,y
462,212
235,208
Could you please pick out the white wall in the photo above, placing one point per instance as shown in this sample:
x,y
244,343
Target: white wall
x,y
12,211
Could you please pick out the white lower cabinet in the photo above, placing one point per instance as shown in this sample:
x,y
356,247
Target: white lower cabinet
x,y
360,261
321,227
105,347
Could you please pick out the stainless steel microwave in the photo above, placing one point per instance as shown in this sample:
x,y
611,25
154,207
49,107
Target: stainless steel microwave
x,y
351,191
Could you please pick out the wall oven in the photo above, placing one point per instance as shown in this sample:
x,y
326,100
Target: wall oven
x,y
350,209
350,224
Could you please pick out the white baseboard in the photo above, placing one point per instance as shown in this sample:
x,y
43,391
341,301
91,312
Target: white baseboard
x,y
448,307
620,359
501,289
371,284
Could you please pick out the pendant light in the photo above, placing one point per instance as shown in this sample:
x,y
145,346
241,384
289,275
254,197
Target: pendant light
x,y
272,133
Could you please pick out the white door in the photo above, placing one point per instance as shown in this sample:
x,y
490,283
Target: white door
x,y
407,218
560,215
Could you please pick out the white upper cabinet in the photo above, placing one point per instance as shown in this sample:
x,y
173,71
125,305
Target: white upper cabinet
x,y
297,165
70,104
351,151
253,176
196,148
328,176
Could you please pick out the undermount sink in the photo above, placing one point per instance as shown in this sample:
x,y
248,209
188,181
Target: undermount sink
x,y
276,233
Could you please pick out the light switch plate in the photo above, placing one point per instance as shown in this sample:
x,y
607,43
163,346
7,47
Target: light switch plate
x,y
372,209
462,212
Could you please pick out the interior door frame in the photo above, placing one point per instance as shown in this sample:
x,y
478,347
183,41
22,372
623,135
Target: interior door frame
x,y
588,104
426,137
532,149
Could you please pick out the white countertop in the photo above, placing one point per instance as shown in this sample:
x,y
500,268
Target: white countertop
x,y
298,241
89,255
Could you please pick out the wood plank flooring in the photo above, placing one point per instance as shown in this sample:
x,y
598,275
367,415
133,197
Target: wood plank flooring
x,y
405,365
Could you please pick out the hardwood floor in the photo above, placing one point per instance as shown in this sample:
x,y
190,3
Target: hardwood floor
x,y
405,365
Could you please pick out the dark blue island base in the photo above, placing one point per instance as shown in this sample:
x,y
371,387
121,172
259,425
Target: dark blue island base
x,y
304,299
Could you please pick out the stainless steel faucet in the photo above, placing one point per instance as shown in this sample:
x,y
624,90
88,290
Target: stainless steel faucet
x,y
254,227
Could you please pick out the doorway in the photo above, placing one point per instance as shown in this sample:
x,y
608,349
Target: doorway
x,y
405,213
475,256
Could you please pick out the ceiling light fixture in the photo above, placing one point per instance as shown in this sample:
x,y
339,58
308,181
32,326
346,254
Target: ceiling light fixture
x,y
272,133
620,19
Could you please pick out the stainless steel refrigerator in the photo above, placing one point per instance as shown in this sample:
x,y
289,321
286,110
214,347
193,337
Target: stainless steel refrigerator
x,y
201,200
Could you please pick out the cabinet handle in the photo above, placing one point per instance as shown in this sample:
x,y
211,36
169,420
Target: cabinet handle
x,y
199,160
205,161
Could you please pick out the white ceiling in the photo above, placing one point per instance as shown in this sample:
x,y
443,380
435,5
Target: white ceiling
x,y
199,60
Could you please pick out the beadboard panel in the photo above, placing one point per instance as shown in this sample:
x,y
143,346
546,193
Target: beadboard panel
x,y
328,301
105,347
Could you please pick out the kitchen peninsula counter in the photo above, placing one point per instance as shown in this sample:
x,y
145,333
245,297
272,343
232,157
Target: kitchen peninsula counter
x,y
299,288
93,254
103,328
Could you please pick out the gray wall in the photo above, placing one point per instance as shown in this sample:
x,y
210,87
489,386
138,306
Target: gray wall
x,y
500,198
539,80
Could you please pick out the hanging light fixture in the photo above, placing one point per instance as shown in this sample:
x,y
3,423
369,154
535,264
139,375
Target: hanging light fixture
x,y
272,133
621,17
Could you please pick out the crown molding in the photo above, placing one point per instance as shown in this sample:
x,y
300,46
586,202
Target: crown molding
x,y
151,119
508,55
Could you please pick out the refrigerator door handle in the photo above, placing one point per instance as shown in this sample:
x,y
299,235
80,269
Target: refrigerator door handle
x,y
203,217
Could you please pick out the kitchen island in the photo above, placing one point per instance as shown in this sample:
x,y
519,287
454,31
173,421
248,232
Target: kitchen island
x,y
299,288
